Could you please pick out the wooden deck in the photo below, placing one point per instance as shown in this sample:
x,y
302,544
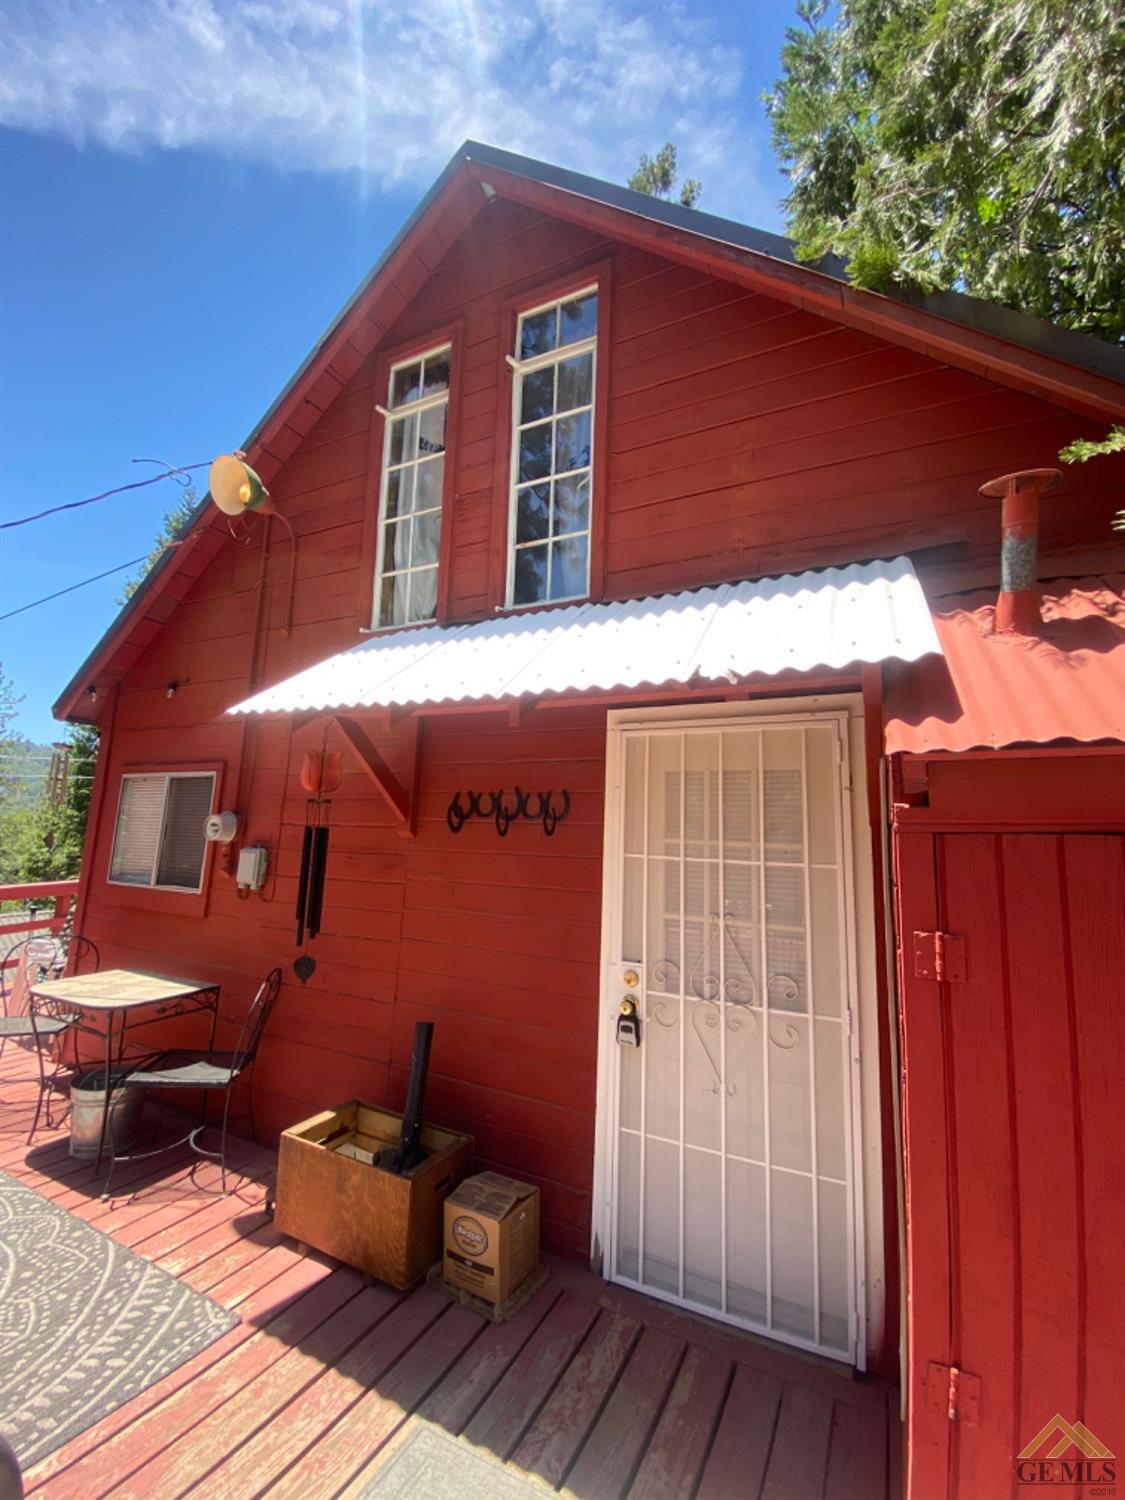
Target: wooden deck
x,y
590,1389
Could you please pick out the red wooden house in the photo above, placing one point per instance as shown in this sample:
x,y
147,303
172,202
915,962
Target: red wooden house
x,y
607,516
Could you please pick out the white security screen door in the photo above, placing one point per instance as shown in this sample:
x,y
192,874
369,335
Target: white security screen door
x,y
731,1178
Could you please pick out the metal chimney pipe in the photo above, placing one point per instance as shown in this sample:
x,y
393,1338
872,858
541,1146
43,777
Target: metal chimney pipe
x,y
1017,608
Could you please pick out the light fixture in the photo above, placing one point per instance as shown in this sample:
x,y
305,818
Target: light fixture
x,y
236,488
92,693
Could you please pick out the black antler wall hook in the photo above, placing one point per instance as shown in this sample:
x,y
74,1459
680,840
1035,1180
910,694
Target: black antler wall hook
x,y
534,807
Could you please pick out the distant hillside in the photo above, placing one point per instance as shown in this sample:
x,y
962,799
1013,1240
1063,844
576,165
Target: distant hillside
x,y
23,773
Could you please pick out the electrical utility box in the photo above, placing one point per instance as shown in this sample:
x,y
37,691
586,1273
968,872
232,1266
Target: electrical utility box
x,y
253,862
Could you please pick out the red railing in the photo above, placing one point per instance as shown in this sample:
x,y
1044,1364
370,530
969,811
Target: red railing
x,y
56,895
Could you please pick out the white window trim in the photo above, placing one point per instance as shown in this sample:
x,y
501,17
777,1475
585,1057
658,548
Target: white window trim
x,y
520,368
389,415
151,885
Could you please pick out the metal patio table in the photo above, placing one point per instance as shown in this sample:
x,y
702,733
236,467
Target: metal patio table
x,y
115,996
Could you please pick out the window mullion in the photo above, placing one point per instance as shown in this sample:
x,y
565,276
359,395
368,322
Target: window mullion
x,y
551,356
160,836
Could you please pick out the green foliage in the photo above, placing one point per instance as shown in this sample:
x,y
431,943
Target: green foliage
x,y
39,841
656,175
968,144
174,525
50,839
1084,448
12,746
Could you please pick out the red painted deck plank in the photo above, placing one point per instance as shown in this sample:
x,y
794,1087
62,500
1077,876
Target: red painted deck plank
x,y
857,1454
613,1451
274,1448
799,1456
679,1445
352,1449
468,1384
505,1416
231,1229
241,1252
559,1431
741,1449
260,1394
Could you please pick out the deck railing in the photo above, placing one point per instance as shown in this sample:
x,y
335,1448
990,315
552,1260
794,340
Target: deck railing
x,y
56,897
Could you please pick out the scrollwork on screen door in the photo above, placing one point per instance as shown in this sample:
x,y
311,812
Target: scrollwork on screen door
x,y
729,1000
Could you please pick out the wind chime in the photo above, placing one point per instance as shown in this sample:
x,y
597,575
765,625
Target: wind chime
x,y
320,776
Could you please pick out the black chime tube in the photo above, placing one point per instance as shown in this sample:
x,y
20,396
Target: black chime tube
x,y
316,878
303,883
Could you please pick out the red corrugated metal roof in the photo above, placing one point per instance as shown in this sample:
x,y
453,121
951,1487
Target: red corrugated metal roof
x,y
988,690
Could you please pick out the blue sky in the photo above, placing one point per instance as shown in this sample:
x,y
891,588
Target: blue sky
x,y
191,190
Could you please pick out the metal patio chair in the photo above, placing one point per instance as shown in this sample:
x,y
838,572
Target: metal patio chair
x,y
38,1025
206,1071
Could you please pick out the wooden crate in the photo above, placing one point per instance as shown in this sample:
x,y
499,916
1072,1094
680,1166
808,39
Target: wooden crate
x,y
386,1225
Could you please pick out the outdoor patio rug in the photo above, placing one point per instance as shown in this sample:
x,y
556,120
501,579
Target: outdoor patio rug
x,y
433,1464
84,1323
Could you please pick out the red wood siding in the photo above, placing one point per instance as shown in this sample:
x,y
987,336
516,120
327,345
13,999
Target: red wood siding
x,y
1014,1148
495,940
743,436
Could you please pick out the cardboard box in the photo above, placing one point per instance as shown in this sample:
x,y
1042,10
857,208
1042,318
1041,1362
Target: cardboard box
x,y
332,1195
491,1235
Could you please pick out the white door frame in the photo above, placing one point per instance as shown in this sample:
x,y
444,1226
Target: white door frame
x,y
760,712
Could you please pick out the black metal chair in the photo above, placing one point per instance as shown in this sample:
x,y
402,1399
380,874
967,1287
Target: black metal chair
x,y
206,1072
35,1024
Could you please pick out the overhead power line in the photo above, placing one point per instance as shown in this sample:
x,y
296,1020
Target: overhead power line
x,y
171,472
35,603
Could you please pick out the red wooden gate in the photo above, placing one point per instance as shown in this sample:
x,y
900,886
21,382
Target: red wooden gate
x,y
1014,1118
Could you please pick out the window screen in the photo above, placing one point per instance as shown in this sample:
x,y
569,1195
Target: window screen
x,y
159,840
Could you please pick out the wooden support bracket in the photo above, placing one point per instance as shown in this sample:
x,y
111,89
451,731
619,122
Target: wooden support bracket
x,y
401,799
520,708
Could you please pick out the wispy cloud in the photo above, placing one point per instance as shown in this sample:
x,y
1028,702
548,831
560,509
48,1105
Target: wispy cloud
x,y
386,90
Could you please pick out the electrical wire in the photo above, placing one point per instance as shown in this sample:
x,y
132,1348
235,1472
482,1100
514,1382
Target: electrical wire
x,y
170,473
120,568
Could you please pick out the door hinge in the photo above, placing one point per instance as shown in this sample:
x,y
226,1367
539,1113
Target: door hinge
x,y
954,1392
940,956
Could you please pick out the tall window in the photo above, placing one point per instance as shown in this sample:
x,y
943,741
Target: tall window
x,y
413,479
159,839
552,450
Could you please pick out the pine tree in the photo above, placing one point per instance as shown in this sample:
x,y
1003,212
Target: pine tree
x,y
656,175
977,145
175,523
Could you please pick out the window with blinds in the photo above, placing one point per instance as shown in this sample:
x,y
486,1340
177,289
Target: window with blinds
x,y
159,840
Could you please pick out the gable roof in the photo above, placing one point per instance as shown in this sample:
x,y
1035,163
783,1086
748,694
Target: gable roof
x,y
1083,374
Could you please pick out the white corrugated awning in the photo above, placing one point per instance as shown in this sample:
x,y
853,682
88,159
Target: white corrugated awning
x,y
868,612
